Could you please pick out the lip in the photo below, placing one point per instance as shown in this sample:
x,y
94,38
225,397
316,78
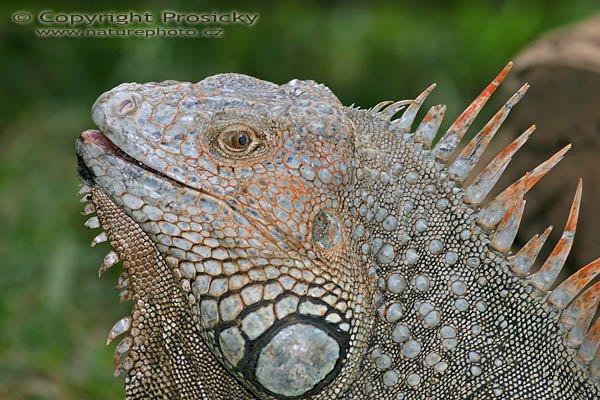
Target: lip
x,y
97,138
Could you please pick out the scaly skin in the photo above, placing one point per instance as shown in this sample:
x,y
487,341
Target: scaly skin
x,y
278,245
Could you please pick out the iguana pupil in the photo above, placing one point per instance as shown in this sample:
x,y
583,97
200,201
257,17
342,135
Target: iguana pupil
x,y
242,139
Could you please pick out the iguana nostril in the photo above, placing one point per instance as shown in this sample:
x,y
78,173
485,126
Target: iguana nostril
x,y
125,103
326,229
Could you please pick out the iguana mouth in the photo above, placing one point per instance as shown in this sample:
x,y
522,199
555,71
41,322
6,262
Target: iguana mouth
x,y
99,139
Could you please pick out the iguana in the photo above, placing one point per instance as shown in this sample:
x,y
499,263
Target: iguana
x,y
279,245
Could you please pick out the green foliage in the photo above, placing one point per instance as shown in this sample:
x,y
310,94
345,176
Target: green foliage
x,y
54,312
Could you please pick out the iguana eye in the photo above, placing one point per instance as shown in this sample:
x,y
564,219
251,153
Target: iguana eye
x,y
238,139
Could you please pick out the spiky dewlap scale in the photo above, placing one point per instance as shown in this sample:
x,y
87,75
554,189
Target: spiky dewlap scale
x,y
160,312
372,271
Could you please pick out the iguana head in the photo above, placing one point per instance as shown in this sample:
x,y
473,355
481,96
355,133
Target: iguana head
x,y
240,184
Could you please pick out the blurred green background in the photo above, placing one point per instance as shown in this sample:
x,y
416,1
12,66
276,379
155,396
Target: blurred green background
x,y
54,311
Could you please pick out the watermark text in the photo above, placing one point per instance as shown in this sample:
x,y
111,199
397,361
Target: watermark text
x,y
146,24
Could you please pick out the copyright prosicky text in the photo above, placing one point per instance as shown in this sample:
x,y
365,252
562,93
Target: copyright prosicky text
x,y
133,24
169,17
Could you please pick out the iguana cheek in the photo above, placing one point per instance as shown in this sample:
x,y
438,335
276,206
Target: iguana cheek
x,y
290,348
296,359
